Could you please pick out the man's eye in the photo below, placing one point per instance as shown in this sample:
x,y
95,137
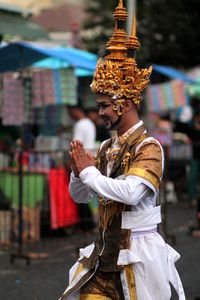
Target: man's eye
x,y
103,105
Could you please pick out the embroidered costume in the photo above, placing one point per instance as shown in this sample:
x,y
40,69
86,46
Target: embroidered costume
x,y
129,259
128,242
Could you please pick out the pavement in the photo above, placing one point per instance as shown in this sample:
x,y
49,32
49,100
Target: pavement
x,y
47,275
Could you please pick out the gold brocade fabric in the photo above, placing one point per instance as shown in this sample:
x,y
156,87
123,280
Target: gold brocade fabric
x,y
111,153
148,163
103,285
94,297
107,286
131,281
117,142
120,152
107,210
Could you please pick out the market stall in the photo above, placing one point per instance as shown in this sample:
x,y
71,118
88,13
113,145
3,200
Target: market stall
x,y
38,96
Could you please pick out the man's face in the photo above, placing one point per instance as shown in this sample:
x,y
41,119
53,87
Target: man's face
x,y
106,112
73,112
93,116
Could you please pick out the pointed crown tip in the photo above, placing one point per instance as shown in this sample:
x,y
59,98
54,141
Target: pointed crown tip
x,y
121,3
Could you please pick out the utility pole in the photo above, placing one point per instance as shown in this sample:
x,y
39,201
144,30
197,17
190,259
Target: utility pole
x,y
131,8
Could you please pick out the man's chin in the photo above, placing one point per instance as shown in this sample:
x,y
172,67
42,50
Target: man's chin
x,y
107,125
110,127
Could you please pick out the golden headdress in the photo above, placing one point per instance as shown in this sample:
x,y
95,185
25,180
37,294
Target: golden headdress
x,y
117,75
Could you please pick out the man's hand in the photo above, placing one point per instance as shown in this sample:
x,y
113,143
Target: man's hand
x,y
73,165
80,158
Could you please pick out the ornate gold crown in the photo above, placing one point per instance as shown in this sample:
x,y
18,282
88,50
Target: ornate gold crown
x,y
117,75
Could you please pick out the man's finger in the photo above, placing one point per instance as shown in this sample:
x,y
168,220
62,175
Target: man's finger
x,y
89,155
79,143
80,151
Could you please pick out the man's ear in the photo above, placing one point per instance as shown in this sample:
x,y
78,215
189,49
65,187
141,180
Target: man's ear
x,y
128,105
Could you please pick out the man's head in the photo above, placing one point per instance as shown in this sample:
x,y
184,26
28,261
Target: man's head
x,y
117,75
76,112
93,115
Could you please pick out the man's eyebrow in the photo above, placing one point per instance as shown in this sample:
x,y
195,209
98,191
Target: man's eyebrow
x,y
102,102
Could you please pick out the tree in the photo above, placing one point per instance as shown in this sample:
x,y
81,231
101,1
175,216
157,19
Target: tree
x,y
169,32
98,27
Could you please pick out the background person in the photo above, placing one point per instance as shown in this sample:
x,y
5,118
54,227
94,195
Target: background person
x,y
192,130
102,132
84,131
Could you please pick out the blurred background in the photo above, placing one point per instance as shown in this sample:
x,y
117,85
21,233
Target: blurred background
x,y
48,53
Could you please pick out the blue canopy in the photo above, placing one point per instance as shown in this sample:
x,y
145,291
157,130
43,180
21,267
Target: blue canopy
x,y
172,73
19,55
56,63
22,54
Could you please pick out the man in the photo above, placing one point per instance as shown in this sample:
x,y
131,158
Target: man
x,y
192,130
84,130
102,133
129,259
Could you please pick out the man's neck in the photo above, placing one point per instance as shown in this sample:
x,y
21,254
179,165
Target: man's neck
x,y
121,131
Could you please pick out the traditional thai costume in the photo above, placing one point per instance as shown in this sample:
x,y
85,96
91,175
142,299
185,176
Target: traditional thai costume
x,y
129,259
128,243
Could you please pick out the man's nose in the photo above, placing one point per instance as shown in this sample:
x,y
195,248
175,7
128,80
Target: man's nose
x,y
101,112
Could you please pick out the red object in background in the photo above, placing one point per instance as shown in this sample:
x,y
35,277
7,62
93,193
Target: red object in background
x,y
64,211
75,26
25,158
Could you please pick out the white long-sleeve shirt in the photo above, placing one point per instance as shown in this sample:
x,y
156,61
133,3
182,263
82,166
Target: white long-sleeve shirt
x,y
85,131
130,190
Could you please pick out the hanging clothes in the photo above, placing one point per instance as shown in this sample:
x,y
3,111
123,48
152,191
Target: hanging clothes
x,y
64,211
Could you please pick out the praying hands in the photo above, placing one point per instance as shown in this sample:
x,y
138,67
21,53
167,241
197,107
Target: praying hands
x,y
80,159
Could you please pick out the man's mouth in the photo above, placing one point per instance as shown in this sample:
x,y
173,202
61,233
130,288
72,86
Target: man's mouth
x,y
106,120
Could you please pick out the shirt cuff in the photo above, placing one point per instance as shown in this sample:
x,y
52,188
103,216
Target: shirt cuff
x,y
89,171
73,177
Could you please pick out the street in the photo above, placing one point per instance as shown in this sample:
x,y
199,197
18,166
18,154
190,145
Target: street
x,y
47,275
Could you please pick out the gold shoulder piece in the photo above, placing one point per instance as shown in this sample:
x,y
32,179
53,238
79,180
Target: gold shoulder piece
x,y
147,175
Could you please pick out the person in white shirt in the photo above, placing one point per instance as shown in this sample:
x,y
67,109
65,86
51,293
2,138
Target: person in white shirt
x,y
129,259
84,129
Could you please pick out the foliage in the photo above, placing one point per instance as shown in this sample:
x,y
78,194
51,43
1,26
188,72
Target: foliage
x,y
99,25
168,30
